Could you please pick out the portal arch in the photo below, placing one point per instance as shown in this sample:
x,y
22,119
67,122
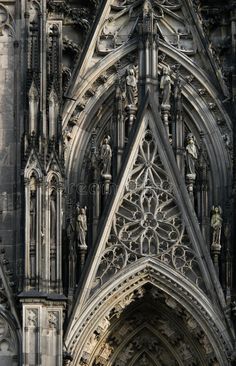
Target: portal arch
x,y
188,308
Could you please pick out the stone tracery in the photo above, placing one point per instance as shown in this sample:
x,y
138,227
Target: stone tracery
x,y
148,221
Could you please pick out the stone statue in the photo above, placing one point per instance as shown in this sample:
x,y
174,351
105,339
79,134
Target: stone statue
x,y
106,155
81,226
165,86
131,87
191,155
216,224
53,216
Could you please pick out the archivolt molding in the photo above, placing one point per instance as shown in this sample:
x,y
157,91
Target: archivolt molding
x,y
197,90
124,288
192,72
9,337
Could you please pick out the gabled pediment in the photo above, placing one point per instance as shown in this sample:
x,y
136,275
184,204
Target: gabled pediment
x,y
53,164
33,164
179,27
151,215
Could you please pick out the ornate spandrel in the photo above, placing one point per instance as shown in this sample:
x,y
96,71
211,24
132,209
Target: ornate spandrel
x,y
148,222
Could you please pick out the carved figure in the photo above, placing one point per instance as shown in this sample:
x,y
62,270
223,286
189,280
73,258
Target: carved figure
x,y
216,224
106,155
165,86
191,154
131,87
81,226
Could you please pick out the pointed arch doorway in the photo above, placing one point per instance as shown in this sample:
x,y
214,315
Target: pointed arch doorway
x,y
149,318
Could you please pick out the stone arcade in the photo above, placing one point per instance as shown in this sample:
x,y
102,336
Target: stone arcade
x,y
117,182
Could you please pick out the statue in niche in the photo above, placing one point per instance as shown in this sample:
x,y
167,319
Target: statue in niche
x,y
33,205
165,86
53,216
131,87
216,224
81,226
106,155
191,155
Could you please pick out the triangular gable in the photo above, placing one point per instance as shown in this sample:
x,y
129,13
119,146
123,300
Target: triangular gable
x,y
178,26
54,164
33,163
151,215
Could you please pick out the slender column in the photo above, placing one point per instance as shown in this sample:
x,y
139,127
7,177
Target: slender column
x,y
95,187
27,234
148,52
120,129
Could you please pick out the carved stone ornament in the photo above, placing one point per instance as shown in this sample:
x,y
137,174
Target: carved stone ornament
x,y
191,156
216,224
106,155
148,221
32,318
53,320
81,226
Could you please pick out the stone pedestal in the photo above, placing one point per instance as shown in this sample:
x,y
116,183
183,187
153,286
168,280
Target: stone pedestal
x,y
42,331
106,178
165,109
190,180
131,111
215,250
82,249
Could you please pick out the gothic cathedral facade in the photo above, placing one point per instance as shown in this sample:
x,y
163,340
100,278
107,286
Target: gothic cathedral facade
x,y
118,181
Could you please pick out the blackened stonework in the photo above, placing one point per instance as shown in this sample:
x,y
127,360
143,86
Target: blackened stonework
x,y
117,182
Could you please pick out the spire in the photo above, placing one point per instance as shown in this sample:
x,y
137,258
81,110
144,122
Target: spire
x,y
148,50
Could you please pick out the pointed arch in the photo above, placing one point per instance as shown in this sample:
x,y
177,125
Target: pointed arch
x,y
200,95
119,293
10,340
53,231
33,221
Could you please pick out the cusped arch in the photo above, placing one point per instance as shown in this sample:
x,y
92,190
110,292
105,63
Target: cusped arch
x,y
10,340
33,170
121,291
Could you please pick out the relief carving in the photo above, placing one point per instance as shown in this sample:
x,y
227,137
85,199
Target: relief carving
x,y
32,318
53,320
